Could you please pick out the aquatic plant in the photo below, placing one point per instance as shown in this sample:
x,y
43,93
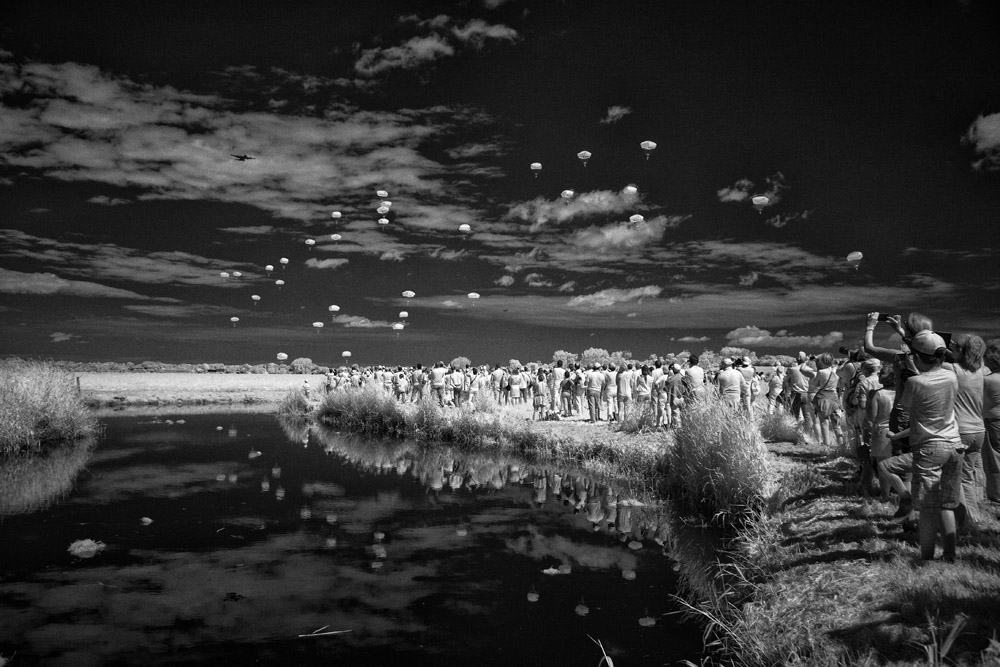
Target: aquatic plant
x,y
40,408
31,482
717,468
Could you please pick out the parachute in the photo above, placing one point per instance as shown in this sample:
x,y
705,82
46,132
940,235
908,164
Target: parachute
x,y
386,203
403,314
283,261
310,243
381,194
282,356
346,354
636,218
269,268
855,258
473,295
237,274
335,215
383,221
630,189
759,202
382,210
584,156
567,194
648,147
279,283
335,237
318,326
465,228
255,297
408,294
224,275
334,309
536,167
398,326
234,320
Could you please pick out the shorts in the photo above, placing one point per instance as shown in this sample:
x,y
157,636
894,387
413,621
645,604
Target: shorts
x,y
538,401
825,407
939,468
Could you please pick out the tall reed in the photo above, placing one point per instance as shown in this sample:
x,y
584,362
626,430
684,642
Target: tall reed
x,y
40,407
717,467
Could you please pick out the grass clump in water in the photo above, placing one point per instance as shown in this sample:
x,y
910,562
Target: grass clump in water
x,y
40,408
717,468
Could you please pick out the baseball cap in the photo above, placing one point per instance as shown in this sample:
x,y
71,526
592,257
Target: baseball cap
x,y
747,362
727,362
927,342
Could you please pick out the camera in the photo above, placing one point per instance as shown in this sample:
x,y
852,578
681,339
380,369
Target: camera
x,y
884,317
843,349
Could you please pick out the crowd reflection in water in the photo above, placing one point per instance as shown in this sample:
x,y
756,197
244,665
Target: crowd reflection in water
x,y
605,505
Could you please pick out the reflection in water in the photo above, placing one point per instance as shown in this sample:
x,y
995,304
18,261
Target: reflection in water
x,y
30,483
422,555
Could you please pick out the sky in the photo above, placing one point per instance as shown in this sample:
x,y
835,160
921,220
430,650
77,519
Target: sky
x,y
871,127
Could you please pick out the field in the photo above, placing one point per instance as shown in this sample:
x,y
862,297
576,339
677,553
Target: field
x,y
137,389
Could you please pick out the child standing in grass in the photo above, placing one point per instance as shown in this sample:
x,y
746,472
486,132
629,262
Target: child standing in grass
x,y
540,392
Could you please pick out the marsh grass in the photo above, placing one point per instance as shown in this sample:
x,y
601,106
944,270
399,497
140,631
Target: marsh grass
x,y
778,426
638,419
40,408
717,468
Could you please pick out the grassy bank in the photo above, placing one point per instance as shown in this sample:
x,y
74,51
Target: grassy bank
x,y
40,408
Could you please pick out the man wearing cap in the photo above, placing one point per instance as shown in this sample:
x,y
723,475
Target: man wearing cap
x,y
797,390
437,376
929,399
675,395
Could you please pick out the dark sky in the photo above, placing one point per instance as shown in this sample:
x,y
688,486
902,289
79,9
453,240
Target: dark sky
x,y
871,127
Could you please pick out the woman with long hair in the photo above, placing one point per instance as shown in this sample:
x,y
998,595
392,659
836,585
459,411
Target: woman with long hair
x,y
968,353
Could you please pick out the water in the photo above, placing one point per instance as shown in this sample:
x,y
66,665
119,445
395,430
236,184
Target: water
x,y
226,537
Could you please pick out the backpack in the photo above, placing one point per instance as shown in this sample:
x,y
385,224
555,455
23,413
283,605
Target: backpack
x,y
852,395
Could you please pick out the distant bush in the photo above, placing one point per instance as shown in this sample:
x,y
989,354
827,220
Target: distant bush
x,y
40,407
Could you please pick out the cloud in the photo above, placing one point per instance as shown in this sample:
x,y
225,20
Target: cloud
x,y
780,220
104,261
477,31
610,297
504,281
743,188
86,125
414,53
421,50
568,286
254,230
740,191
536,280
60,337
358,322
752,336
331,263
187,311
540,211
615,113
693,339
984,137
625,235
392,256
49,284
108,201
